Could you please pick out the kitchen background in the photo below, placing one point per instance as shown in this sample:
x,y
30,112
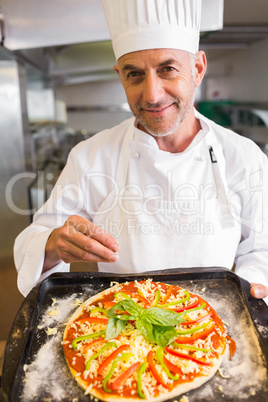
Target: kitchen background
x,y
58,87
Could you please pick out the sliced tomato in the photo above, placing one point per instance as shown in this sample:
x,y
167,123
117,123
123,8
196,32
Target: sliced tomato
x,y
188,357
159,379
88,345
110,358
194,304
167,294
172,367
118,312
195,321
138,296
123,377
109,304
95,320
198,335
143,299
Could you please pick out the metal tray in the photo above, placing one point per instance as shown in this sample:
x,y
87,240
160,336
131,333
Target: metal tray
x,y
34,365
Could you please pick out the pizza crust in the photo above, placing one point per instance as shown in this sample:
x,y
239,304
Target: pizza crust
x,y
175,392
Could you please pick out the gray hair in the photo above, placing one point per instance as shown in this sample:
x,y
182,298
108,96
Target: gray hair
x,y
192,61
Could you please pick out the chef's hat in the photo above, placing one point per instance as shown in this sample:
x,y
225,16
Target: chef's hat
x,y
153,24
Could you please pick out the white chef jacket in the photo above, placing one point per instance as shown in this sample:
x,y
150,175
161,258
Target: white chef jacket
x,y
206,206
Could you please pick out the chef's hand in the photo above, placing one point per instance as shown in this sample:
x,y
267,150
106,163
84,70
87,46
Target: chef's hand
x,y
258,291
79,240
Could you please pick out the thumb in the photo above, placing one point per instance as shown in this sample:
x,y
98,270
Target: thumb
x,y
258,291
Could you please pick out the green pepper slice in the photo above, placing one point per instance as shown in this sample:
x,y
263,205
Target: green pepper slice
x,y
190,331
187,297
108,345
101,310
157,298
193,309
191,347
160,355
89,336
122,294
123,356
142,368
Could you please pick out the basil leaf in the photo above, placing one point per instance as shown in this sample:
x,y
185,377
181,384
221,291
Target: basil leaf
x,y
125,317
164,335
145,328
161,316
126,305
155,324
131,307
118,306
114,328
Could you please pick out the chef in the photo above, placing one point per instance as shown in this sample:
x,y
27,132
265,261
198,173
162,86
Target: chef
x,y
166,188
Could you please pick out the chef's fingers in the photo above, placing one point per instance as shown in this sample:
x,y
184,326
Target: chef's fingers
x,y
72,243
76,254
258,291
91,230
74,246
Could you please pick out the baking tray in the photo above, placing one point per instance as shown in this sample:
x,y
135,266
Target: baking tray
x,y
34,366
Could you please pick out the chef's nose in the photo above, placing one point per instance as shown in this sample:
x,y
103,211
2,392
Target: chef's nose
x,y
153,89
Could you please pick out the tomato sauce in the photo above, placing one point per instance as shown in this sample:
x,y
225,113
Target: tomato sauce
x,y
232,346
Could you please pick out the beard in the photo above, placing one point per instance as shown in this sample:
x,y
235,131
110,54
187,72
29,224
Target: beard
x,y
162,126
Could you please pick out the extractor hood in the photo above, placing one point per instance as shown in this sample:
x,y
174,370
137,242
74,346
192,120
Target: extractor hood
x,y
37,23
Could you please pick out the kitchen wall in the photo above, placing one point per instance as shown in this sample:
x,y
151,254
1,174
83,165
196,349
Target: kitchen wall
x,y
240,75
13,194
101,102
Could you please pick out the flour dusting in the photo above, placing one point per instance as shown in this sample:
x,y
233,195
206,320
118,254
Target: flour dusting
x,y
47,377
247,370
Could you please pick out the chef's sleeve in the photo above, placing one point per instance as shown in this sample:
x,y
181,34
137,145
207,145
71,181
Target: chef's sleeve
x,y
252,254
66,199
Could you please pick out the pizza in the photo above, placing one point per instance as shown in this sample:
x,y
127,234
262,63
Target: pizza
x,y
143,340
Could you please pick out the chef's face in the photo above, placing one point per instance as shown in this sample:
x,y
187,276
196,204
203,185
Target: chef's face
x,y
160,86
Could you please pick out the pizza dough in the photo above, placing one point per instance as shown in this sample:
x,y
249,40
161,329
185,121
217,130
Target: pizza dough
x,y
143,340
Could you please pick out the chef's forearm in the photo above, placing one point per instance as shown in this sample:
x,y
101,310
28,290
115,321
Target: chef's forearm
x,y
52,257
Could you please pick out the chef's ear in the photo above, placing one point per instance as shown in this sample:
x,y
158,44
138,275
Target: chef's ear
x,y
116,68
200,67
119,72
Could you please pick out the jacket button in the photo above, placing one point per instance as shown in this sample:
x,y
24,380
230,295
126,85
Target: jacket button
x,y
200,158
135,155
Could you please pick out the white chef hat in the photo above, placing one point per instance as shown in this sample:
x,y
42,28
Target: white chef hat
x,y
153,24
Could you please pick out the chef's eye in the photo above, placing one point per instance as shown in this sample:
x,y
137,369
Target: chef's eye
x,y
168,68
134,75
168,72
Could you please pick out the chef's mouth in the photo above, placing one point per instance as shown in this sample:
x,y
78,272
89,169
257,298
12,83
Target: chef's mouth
x,y
159,110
